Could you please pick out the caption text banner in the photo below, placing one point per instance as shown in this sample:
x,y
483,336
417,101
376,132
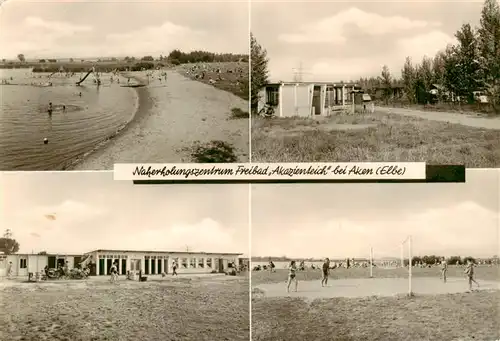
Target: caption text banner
x,y
271,171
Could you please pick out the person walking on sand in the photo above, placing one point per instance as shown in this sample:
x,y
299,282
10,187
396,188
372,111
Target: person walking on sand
x,y
469,271
114,273
66,269
49,110
271,266
292,276
444,269
174,268
9,270
326,272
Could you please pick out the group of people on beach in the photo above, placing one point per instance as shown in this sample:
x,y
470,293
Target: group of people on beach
x,y
292,273
469,272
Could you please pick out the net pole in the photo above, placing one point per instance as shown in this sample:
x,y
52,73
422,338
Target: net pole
x,y
402,255
410,266
371,262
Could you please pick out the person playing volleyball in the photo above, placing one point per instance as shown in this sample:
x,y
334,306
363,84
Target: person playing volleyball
x,y
469,271
292,276
326,271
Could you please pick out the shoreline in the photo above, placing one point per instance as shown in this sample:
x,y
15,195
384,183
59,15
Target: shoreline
x,y
138,112
162,128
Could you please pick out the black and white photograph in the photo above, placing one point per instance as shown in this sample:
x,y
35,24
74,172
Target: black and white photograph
x,y
376,261
371,81
86,84
84,257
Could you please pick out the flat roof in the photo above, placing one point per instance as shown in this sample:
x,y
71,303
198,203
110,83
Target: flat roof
x,y
311,82
170,252
48,254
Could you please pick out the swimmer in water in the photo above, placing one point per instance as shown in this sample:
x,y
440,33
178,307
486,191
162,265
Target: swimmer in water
x,y
50,108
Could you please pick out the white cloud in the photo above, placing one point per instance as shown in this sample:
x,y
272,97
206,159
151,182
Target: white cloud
x,y
424,44
444,231
333,29
416,47
466,227
205,235
37,36
156,39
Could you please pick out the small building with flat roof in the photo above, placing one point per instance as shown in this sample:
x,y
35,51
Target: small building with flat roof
x,y
100,261
306,99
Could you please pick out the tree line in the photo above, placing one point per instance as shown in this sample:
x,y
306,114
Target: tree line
x,y
458,73
176,57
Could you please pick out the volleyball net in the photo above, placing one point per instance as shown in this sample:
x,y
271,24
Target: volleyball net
x,y
397,258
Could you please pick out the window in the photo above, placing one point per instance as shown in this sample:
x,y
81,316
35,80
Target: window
x,y
23,263
209,262
272,95
192,262
184,263
200,263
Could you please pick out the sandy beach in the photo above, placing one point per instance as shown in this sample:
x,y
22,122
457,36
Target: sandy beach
x,y
171,119
184,308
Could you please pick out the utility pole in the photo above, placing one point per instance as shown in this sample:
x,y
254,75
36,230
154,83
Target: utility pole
x,y
298,73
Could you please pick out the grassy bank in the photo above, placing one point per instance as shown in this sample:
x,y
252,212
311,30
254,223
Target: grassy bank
x,y
181,309
467,316
373,137
232,77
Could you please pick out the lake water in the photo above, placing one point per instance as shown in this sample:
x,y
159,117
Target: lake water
x,y
88,121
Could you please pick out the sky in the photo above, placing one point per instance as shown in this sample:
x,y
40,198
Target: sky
x,y
93,211
346,220
346,40
74,29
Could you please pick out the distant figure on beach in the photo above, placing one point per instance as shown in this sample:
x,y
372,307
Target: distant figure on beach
x,y
9,270
292,276
80,94
174,268
326,272
128,80
66,269
444,269
50,108
271,266
114,273
64,108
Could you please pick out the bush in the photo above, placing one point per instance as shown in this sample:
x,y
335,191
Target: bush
x,y
237,113
214,152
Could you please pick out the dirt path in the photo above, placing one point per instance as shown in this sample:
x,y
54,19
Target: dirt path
x,y
171,118
368,287
463,119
